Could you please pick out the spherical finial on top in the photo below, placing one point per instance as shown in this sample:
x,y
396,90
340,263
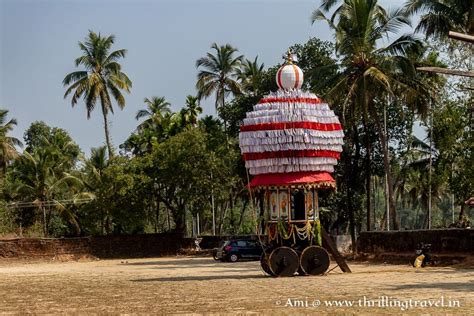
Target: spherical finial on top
x,y
289,76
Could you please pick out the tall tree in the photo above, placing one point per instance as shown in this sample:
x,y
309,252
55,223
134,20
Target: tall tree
x,y
250,75
7,143
44,173
370,73
101,80
218,74
156,108
438,17
192,110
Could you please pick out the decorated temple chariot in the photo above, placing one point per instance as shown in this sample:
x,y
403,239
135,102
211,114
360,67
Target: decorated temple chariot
x,y
290,143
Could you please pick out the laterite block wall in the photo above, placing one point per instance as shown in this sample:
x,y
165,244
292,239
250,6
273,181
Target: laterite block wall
x,y
132,246
442,241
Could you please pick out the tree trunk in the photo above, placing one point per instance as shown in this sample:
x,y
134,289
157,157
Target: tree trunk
x,y
386,163
225,121
261,226
107,135
352,183
231,215
368,146
241,218
45,228
353,186
368,175
48,219
179,215
461,213
222,219
169,220
102,222
157,215
108,224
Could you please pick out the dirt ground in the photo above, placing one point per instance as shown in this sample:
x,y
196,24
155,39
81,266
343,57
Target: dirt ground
x,y
183,285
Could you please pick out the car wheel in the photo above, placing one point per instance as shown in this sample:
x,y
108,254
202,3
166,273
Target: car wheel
x,y
234,257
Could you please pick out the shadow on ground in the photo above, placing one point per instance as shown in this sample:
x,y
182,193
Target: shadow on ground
x,y
187,262
458,286
202,278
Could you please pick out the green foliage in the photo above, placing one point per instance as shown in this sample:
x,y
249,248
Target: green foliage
x,y
175,166
191,111
438,17
8,151
121,192
316,59
218,73
250,75
156,108
41,137
201,173
453,137
41,177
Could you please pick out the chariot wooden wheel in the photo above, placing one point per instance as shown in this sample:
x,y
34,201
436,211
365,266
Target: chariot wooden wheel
x,y
264,263
314,260
283,261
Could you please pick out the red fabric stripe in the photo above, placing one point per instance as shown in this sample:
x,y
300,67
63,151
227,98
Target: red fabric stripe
x,y
297,77
291,100
291,178
279,77
290,125
292,153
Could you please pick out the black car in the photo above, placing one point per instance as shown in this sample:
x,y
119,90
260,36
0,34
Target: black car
x,y
235,249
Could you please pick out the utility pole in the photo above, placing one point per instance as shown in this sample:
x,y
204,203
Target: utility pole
x,y
213,208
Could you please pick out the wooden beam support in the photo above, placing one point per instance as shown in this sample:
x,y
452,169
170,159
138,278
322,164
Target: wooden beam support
x,y
454,72
461,36
330,246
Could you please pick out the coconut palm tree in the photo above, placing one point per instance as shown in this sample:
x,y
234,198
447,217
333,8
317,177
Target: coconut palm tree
x,y
418,186
156,108
40,181
250,75
218,74
95,166
438,17
192,110
370,73
8,151
101,79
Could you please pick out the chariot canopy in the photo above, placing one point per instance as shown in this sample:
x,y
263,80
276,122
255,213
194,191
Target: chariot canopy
x,y
291,142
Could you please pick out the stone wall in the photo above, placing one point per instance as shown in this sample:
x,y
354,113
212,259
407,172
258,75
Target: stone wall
x,y
125,246
442,241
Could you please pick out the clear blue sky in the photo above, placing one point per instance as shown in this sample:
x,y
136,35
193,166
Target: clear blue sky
x,y
38,44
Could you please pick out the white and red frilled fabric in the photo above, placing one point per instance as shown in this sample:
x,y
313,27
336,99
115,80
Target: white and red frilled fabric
x,y
291,133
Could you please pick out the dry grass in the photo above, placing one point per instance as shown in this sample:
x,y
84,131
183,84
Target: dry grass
x,y
180,285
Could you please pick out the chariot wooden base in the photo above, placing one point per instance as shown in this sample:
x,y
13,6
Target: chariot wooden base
x,y
285,261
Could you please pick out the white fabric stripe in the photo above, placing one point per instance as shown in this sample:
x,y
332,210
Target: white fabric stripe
x,y
292,138
290,118
290,106
288,146
290,161
281,94
286,111
294,168
291,132
255,141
